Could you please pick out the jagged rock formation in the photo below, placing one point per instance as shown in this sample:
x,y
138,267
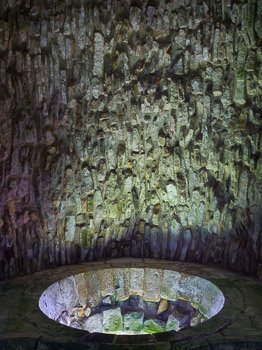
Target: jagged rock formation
x,y
130,128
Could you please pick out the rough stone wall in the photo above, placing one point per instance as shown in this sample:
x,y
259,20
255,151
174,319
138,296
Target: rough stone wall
x,y
130,128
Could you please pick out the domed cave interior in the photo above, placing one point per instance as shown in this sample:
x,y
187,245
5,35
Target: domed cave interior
x,y
130,174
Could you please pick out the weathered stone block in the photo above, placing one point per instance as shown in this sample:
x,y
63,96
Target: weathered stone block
x,y
93,286
136,277
93,324
69,291
170,285
121,283
172,324
70,228
112,321
52,302
98,59
81,289
106,282
133,322
153,326
152,284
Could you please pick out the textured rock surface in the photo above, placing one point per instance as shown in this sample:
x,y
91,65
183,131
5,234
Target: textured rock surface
x,y
172,323
94,324
133,322
130,128
112,320
153,326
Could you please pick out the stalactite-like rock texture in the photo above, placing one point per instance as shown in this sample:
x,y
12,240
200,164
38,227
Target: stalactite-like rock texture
x,y
130,128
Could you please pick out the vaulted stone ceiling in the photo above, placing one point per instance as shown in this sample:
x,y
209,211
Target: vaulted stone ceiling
x,y
130,128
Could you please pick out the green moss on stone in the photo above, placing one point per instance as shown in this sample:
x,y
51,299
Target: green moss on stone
x,y
199,307
133,322
112,321
90,204
84,234
153,326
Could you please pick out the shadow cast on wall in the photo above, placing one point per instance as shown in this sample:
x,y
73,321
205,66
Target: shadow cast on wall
x,y
141,240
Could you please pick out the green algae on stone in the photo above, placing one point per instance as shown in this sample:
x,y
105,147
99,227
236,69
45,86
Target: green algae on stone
x,y
153,326
90,204
84,234
172,323
133,321
112,321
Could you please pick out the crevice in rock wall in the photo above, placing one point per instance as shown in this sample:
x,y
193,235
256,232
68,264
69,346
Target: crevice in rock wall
x,y
130,128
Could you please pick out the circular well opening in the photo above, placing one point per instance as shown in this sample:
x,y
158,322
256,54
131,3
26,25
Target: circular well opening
x,y
131,301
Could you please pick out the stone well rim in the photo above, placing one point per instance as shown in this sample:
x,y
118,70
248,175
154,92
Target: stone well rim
x,y
203,287
24,293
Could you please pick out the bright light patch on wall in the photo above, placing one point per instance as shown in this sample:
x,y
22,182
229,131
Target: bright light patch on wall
x,y
131,301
